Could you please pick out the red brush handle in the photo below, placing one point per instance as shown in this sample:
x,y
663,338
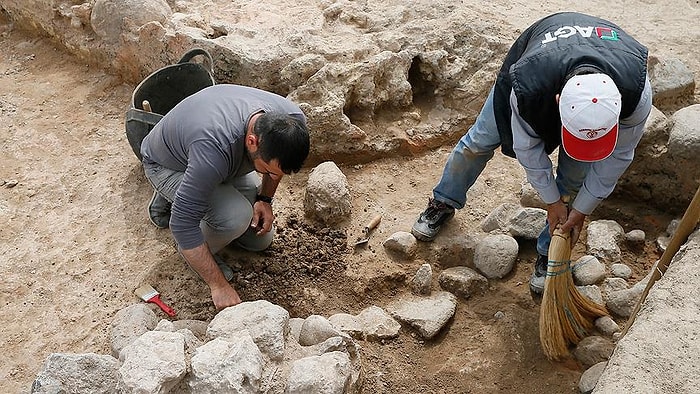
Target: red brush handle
x,y
156,300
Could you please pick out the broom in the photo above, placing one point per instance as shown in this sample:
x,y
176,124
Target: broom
x,y
565,314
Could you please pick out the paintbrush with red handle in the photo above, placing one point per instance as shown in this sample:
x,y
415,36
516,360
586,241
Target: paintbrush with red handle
x,y
149,294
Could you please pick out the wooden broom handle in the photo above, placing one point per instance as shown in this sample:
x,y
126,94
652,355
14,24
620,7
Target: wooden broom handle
x,y
559,233
685,228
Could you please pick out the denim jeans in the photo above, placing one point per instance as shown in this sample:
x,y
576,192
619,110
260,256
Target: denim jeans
x,y
230,207
469,157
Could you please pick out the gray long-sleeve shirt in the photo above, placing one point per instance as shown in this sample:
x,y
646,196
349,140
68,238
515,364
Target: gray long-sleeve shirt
x,y
204,137
603,175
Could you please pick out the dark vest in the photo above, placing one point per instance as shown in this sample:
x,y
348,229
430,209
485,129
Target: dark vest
x,y
537,65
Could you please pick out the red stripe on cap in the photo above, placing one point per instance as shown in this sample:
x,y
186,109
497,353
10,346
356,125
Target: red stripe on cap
x,y
589,150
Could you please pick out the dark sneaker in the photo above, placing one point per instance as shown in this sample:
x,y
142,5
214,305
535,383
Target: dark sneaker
x,y
159,210
428,224
539,274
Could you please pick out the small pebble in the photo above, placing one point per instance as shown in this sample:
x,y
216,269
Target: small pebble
x,y
621,271
635,237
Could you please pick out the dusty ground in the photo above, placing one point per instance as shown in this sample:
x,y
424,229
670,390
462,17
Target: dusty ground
x,y
76,240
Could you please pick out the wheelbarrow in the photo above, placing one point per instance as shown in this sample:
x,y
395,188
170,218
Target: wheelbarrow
x,y
156,95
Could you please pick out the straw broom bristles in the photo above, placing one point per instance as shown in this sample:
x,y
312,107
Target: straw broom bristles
x,y
565,314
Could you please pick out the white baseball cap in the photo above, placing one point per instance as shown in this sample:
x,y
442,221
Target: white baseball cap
x,y
589,106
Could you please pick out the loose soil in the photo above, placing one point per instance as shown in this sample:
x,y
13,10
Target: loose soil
x,y
76,240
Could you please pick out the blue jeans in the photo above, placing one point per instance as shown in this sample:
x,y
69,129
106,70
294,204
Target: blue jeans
x,y
469,157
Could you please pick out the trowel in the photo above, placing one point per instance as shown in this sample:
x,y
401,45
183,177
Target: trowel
x,y
367,230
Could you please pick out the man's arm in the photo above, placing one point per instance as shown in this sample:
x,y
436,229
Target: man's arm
x,y
529,150
206,169
202,261
203,173
262,211
603,175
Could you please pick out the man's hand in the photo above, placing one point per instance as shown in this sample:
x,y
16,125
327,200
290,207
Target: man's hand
x,y
203,263
575,224
224,296
262,217
557,214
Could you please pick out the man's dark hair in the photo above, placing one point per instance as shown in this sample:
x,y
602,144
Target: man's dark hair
x,y
282,137
583,69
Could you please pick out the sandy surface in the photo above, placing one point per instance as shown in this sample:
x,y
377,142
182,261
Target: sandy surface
x,y
76,240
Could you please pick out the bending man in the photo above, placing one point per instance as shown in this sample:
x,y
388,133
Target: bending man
x,y
571,81
202,159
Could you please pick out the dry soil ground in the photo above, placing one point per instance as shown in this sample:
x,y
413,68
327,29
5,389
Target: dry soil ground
x,y
76,240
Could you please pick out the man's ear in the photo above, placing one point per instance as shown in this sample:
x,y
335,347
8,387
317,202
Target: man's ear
x,y
251,142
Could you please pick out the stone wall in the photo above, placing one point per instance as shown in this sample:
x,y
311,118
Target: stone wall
x,y
374,80
394,80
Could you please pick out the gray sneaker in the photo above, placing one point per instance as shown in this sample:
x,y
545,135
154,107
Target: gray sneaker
x,y
225,269
428,224
159,210
539,274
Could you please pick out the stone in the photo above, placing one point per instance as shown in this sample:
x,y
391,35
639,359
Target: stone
x,y
112,18
590,377
588,270
527,223
428,315
495,255
328,373
463,281
377,324
607,326
529,196
592,350
499,218
671,80
327,194
130,323
402,243
163,353
602,242
635,237
621,271
265,322
422,280
227,366
77,373
315,330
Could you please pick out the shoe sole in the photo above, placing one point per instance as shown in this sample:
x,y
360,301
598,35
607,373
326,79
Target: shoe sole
x,y
537,297
425,237
148,211
422,237
536,290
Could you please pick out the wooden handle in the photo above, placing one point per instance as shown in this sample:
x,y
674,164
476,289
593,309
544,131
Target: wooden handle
x,y
373,223
560,246
687,225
